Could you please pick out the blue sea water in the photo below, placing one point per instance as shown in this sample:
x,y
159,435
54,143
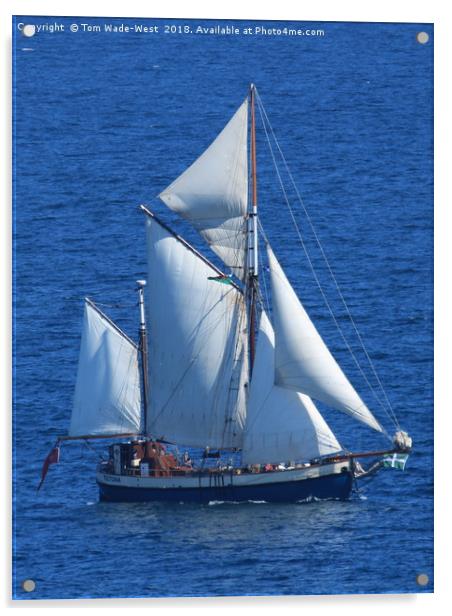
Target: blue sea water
x,y
102,122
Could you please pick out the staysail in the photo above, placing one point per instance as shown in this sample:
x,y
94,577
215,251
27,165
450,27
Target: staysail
x,y
212,193
107,393
281,424
196,365
303,362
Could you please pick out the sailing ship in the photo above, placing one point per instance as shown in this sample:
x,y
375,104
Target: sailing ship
x,y
215,370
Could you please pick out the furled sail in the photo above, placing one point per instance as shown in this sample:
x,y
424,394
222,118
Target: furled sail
x,y
196,388
212,193
107,392
281,424
303,362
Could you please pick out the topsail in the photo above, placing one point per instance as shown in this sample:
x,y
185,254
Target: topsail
x,y
212,193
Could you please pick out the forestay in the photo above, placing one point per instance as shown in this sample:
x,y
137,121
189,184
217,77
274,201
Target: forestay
x,y
107,393
212,193
281,425
196,367
302,360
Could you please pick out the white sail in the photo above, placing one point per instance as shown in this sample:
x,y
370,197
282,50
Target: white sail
x,y
303,362
107,393
212,193
196,393
281,425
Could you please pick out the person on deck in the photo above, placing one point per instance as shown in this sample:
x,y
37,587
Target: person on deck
x,y
186,460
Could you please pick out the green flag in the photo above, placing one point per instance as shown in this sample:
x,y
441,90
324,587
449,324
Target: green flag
x,y
395,460
222,279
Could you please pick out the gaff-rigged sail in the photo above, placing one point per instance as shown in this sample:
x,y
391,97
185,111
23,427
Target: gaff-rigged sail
x,y
107,393
212,193
281,425
197,355
303,362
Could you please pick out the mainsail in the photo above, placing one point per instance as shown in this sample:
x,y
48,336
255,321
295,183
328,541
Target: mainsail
x,y
212,193
303,362
281,425
107,392
197,371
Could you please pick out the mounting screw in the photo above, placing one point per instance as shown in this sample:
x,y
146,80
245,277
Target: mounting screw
x,y
29,585
29,30
422,37
422,579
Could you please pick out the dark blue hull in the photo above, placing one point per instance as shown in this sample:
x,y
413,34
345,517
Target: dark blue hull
x,y
334,486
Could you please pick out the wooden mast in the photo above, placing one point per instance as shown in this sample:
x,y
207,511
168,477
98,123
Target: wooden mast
x,y
144,353
252,241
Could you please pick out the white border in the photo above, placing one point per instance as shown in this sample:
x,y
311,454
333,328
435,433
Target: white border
x,y
328,10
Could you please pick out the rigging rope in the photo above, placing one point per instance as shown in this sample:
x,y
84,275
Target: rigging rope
x,y
265,299
388,410
91,448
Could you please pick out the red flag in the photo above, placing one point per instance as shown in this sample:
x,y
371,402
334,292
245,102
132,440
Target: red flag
x,y
52,458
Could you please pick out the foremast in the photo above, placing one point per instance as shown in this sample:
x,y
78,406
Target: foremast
x,y
143,349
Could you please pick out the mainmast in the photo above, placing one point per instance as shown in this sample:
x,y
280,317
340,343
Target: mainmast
x,y
252,235
144,352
